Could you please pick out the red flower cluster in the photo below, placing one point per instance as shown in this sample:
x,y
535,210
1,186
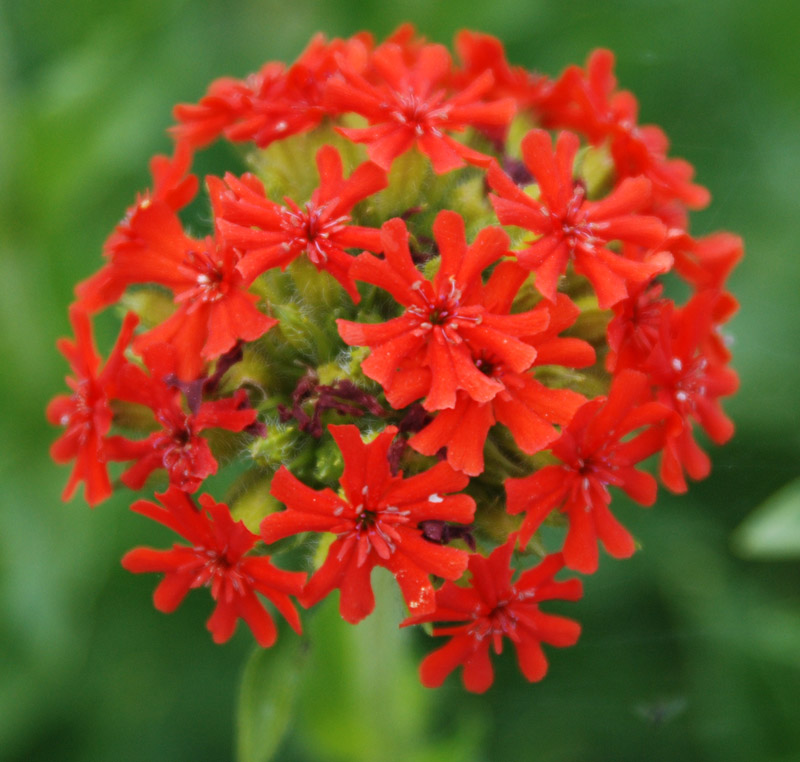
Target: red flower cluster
x,y
361,398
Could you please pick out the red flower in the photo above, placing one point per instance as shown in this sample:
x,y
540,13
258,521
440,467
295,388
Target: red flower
x,y
480,53
215,310
177,446
573,229
273,103
706,264
493,608
215,559
634,329
408,103
171,187
270,235
690,380
227,101
86,413
589,102
528,408
593,456
431,350
375,523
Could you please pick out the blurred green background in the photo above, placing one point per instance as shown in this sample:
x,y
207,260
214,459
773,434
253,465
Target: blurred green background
x,y
689,650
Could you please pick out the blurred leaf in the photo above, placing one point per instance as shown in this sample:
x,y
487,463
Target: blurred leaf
x,y
267,697
362,700
772,531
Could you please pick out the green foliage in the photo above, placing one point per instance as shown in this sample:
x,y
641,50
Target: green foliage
x,y
772,531
267,697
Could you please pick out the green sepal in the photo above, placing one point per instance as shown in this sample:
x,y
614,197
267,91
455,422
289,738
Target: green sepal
x,y
595,166
254,503
288,167
153,305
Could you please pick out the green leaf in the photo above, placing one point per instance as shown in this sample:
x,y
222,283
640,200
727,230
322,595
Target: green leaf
x,y
772,531
266,698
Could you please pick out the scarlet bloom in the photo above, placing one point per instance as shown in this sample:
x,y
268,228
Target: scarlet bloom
x,y
431,350
408,102
574,229
529,409
690,379
480,53
493,608
634,329
86,413
217,558
177,445
376,523
593,457
270,235
215,309
588,101
706,264
273,103
174,188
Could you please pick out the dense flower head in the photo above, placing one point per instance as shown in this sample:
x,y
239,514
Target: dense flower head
x,y
429,313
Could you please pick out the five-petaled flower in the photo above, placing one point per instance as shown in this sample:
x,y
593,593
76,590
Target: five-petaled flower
x,y
529,409
493,608
690,380
273,103
86,413
407,103
376,523
217,558
270,235
595,454
176,445
431,350
588,101
573,229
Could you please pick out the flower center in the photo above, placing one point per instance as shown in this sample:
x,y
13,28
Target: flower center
x,y
223,577
309,229
499,622
418,113
206,276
